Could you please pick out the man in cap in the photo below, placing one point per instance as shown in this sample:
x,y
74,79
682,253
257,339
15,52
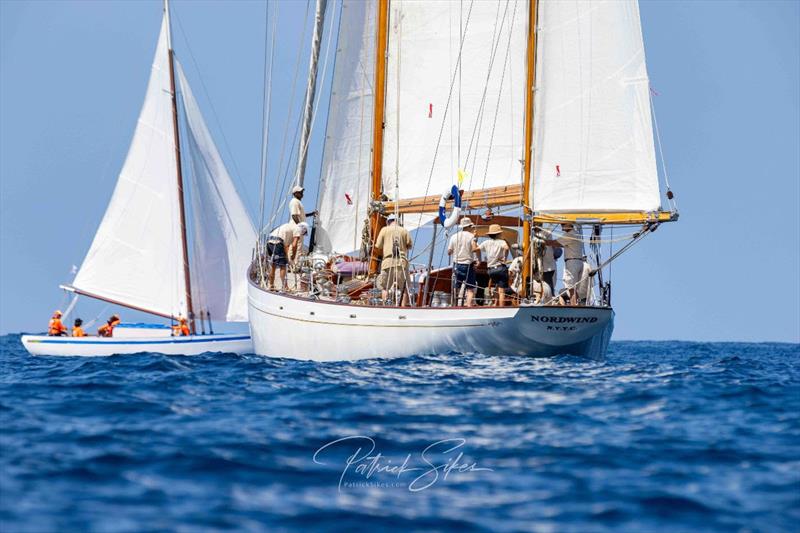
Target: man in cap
x,y
496,250
56,328
462,247
296,210
282,247
393,243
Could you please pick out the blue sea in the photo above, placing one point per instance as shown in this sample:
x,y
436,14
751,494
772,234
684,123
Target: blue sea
x,y
658,436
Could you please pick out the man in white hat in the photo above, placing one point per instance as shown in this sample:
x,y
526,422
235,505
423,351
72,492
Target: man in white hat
x,y
282,246
462,247
496,251
296,211
393,243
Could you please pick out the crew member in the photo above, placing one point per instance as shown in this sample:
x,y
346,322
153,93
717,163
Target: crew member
x,y
393,243
56,328
548,257
77,330
282,247
462,247
496,250
107,329
576,269
181,330
296,210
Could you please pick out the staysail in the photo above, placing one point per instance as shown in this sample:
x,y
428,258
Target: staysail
x,y
136,256
444,114
593,139
345,180
223,233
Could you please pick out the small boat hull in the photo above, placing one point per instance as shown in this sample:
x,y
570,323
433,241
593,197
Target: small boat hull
x,y
100,346
298,328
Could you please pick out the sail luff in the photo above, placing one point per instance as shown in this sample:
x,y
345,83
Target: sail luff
x,y
179,174
311,88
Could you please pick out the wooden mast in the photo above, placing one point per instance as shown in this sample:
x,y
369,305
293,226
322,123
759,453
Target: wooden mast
x,y
185,248
530,81
382,38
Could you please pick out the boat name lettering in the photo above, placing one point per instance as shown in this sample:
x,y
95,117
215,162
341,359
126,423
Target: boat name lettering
x,y
564,319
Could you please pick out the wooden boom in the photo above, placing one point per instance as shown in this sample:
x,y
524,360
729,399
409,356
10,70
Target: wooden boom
x,y
491,197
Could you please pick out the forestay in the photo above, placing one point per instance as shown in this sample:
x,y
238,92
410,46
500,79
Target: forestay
x,y
135,258
443,114
593,140
345,180
223,232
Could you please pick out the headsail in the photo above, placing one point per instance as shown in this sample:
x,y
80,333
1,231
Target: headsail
x,y
443,114
593,139
135,258
345,180
222,230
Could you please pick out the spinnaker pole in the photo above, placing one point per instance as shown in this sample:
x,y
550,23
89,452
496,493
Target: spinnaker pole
x,y
311,89
185,248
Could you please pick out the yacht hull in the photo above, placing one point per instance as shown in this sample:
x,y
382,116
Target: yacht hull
x,y
100,346
298,328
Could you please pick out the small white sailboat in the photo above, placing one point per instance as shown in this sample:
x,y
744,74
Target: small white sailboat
x,y
525,113
140,256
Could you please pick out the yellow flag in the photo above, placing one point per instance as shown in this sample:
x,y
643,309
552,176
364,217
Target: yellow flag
x,y
461,175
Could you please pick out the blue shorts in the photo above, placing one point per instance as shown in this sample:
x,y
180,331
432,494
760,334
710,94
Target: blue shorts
x,y
276,253
499,276
465,274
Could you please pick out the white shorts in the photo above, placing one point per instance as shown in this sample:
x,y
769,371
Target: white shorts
x,y
576,270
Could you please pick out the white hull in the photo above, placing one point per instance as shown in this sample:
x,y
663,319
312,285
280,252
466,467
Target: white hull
x,y
286,326
100,346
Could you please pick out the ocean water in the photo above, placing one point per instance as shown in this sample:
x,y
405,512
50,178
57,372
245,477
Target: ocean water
x,y
659,436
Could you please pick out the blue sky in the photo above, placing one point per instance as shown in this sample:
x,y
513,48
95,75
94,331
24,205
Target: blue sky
x,y
72,79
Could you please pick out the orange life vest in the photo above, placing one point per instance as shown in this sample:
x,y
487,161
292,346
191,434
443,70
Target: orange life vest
x,y
107,329
77,331
181,330
56,327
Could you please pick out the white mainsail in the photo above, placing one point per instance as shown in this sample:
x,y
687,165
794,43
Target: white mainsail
x,y
482,132
345,181
136,255
593,140
222,230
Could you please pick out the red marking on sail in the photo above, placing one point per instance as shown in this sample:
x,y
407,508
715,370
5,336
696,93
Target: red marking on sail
x,y
349,200
430,110
558,171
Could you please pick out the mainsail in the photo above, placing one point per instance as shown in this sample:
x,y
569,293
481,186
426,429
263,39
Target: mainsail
x,y
454,95
593,138
222,230
345,180
136,256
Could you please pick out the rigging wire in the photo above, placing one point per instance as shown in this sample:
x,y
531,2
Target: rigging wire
x,y
670,195
266,109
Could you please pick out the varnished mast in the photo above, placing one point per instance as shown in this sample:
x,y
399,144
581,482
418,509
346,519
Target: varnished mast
x,y
527,210
382,38
185,247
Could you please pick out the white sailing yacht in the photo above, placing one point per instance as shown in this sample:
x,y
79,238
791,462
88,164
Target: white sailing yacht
x,y
139,258
521,113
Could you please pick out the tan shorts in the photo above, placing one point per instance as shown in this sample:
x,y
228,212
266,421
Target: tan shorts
x,y
390,276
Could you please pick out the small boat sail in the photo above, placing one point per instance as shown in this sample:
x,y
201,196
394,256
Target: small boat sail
x,y
532,119
139,258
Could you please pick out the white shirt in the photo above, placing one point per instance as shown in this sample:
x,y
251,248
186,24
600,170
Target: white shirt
x,y
287,232
548,259
460,246
496,250
296,208
572,241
